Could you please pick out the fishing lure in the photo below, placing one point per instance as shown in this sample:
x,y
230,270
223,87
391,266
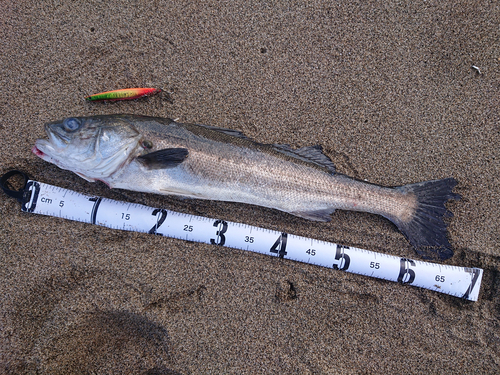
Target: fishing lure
x,y
123,94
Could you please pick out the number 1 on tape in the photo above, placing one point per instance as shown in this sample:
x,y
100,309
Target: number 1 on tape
x,y
54,201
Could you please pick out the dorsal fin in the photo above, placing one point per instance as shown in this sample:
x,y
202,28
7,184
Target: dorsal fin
x,y
310,154
231,132
313,154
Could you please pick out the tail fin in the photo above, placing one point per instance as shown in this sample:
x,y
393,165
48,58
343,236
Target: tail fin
x,y
427,230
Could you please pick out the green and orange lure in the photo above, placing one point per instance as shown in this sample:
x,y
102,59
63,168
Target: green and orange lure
x,y
123,94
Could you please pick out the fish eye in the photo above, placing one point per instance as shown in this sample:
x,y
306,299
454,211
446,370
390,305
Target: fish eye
x,y
147,144
71,124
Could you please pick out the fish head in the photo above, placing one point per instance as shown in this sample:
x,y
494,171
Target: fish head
x,y
92,147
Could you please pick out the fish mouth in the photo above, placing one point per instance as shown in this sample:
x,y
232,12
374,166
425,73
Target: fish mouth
x,y
47,148
38,152
43,149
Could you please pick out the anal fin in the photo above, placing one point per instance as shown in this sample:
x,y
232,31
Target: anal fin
x,y
316,215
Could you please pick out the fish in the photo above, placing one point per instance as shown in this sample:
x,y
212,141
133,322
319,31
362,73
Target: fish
x,y
123,94
162,156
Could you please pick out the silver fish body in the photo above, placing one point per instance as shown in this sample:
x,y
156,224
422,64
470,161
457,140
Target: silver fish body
x,y
162,156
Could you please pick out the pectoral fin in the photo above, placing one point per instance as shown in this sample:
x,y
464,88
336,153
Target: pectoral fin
x,y
166,158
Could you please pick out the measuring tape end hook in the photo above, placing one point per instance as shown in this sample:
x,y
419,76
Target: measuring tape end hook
x,y
7,187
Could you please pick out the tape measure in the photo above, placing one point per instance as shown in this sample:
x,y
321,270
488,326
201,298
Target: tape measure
x,y
44,199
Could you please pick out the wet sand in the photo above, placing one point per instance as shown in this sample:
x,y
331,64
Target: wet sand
x,y
388,90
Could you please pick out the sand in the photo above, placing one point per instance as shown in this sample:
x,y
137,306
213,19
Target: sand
x,y
388,90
